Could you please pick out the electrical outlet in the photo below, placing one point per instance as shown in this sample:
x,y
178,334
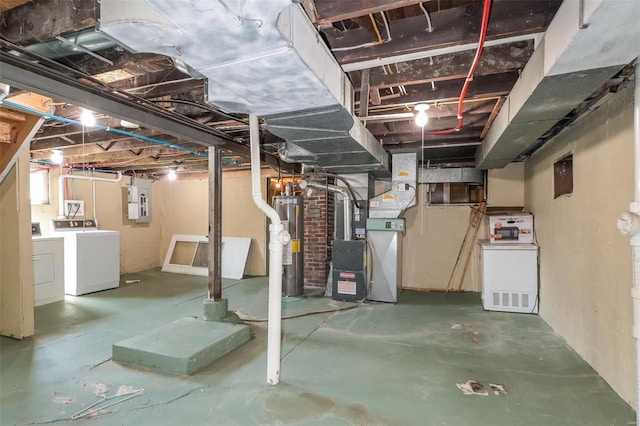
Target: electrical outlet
x,y
73,209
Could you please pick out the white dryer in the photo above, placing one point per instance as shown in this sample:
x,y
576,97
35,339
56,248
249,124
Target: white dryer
x,y
91,256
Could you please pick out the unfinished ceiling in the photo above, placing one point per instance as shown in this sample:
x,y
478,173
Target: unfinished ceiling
x,y
394,53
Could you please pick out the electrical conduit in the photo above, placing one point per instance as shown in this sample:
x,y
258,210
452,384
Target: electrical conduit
x,y
629,224
277,238
112,130
93,179
347,202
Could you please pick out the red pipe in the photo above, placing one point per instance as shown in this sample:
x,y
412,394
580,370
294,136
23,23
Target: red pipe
x,y
472,70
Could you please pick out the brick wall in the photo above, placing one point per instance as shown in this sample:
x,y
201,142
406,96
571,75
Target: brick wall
x,y
319,213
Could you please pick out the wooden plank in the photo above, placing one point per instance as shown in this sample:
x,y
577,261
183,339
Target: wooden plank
x,y
32,100
9,115
494,59
363,110
482,87
5,132
451,27
10,4
43,20
338,10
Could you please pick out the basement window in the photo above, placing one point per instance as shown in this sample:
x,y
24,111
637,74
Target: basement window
x,y
39,186
563,176
454,193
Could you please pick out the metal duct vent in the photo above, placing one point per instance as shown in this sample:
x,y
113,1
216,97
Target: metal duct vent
x,y
585,45
259,57
450,175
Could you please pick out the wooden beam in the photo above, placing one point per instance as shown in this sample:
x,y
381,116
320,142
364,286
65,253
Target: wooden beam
x,y
482,87
494,59
363,111
330,11
451,27
9,115
42,20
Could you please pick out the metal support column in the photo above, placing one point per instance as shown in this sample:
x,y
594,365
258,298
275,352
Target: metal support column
x,y
214,256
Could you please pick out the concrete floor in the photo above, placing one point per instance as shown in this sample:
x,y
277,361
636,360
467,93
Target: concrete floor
x,y
375,364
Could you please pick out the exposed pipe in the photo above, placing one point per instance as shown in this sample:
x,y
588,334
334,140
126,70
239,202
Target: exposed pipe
x,y
629,224
277,237
338,190
635,240
82,177
463,93
99,127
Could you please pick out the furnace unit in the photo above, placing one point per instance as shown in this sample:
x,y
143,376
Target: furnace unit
x,y
349,276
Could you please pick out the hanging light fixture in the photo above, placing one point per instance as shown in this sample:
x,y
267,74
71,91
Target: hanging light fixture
x,y
87,118
172,174
56,156
421,117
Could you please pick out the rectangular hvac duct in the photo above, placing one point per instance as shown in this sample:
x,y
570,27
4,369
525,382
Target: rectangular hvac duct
x,y
259,57
586,44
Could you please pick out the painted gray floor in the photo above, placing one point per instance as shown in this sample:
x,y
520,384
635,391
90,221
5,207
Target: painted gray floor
x,y
377,364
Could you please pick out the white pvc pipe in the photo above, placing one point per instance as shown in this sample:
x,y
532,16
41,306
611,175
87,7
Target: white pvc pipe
x,y
635,239
277,237
61,179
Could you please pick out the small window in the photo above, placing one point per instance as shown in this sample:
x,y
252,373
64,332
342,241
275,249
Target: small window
x,y
563,176
39,186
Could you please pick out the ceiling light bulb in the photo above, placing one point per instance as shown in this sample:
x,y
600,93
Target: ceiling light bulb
x,y
172,174
421,117
278,185
87,118
56,156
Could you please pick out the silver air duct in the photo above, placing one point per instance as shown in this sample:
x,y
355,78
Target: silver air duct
x,y
263,58
403,192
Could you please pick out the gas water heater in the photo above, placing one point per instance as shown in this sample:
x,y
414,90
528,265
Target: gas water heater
x,y
290,208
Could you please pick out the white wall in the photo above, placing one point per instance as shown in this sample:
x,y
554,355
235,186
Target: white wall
x,y
139,243
431,247
506,186
185,211
16,267
585,264
178,207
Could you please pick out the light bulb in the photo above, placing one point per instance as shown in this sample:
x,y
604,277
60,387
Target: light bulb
x,y
56,156
421,117
87,118
278,184
172,174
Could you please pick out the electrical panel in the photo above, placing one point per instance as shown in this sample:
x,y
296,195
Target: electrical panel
x,y
139,200
360,213
376,224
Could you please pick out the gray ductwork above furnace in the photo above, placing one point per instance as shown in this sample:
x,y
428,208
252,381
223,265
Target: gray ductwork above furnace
x,y
263,58
585,45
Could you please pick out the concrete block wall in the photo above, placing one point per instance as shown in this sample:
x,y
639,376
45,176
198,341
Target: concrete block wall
x,y
319,214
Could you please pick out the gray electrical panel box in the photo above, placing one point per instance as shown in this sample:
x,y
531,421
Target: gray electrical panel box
x,y
139,200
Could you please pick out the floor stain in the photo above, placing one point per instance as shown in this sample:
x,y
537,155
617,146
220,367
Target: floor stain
x,y
286,408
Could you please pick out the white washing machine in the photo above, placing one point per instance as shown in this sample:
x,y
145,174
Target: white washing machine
x,y
91,256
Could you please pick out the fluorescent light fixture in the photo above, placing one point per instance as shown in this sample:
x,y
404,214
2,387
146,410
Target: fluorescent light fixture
x,y
56,156
172,174
421,117
87,118
128,124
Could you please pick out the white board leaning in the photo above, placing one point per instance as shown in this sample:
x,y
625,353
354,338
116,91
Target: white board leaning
x,y
187,254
